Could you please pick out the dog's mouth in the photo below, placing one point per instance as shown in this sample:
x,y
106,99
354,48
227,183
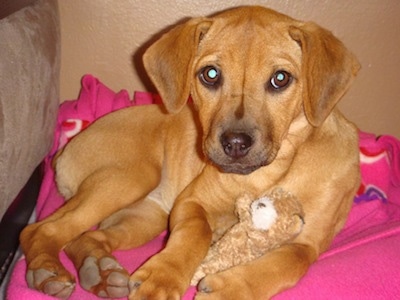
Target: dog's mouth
x,y
238,168
243,165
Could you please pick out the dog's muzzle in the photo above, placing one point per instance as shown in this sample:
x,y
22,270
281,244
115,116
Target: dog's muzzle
x,y
235,153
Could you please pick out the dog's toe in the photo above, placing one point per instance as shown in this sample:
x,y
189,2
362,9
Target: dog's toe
x,y
104,277
156,279
35,278
117,285
59,289
208,284
89,273
223,285
58,284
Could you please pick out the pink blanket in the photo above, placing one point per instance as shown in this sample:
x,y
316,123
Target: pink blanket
x,y
362,263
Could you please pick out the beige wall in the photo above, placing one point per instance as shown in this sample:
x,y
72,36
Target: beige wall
x,y
101,36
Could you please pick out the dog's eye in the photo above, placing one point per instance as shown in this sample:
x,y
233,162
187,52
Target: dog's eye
x,y
279,80
210,76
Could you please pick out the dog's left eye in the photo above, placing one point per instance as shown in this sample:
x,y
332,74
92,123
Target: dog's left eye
x,y
210,76
279,80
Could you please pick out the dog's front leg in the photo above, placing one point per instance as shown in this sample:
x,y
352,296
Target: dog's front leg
x,y
262,278
167,275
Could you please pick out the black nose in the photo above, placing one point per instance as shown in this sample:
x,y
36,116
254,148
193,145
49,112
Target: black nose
x,y
236,144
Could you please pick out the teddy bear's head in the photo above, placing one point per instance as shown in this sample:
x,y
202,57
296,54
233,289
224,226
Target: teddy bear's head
x,y
263,213
264,224
277,214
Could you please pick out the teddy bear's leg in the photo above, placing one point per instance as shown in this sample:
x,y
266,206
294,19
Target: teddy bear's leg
x,y
221,254
225,253
210,265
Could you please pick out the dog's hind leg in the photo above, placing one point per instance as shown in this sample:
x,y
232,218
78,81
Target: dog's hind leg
x,y
99,271
101,194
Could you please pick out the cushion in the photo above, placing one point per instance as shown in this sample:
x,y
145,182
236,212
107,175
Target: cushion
x,y
29,79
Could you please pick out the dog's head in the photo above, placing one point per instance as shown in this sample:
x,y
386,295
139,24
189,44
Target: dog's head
x,y
251,72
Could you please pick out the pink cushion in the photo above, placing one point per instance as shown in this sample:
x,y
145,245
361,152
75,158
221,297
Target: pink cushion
x,y
362,263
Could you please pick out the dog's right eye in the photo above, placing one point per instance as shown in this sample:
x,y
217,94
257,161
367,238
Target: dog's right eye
x,y
210,76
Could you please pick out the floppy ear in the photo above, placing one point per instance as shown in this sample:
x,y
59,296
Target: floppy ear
x,y
328,69
168,62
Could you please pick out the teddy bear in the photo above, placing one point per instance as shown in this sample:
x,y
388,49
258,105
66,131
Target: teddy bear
x,y
264,224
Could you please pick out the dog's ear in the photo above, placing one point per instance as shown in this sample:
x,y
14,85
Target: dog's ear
x,y
169,61
328,69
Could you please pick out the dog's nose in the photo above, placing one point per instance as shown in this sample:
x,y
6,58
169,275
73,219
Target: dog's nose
x,y
236,144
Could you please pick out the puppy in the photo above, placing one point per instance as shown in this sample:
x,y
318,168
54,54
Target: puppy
x,y
264,88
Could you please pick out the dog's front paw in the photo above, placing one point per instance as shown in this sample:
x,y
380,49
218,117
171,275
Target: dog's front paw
x,y
104,277
223,285
56,282
157,279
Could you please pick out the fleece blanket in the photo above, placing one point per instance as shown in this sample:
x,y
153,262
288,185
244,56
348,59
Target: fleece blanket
x,y
362,263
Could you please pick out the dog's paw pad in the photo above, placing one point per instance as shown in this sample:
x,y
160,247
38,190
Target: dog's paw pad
x,y
89,273
104,277
51,283
35,278
117,285
117,279
108,263
59,289
117,291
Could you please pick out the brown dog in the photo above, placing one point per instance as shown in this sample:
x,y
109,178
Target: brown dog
x,y
264,88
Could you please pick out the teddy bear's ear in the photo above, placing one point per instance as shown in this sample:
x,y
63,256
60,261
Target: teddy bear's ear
x,y
286,203
263,213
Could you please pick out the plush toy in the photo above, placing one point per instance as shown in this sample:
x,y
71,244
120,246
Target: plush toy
x,y
264,224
